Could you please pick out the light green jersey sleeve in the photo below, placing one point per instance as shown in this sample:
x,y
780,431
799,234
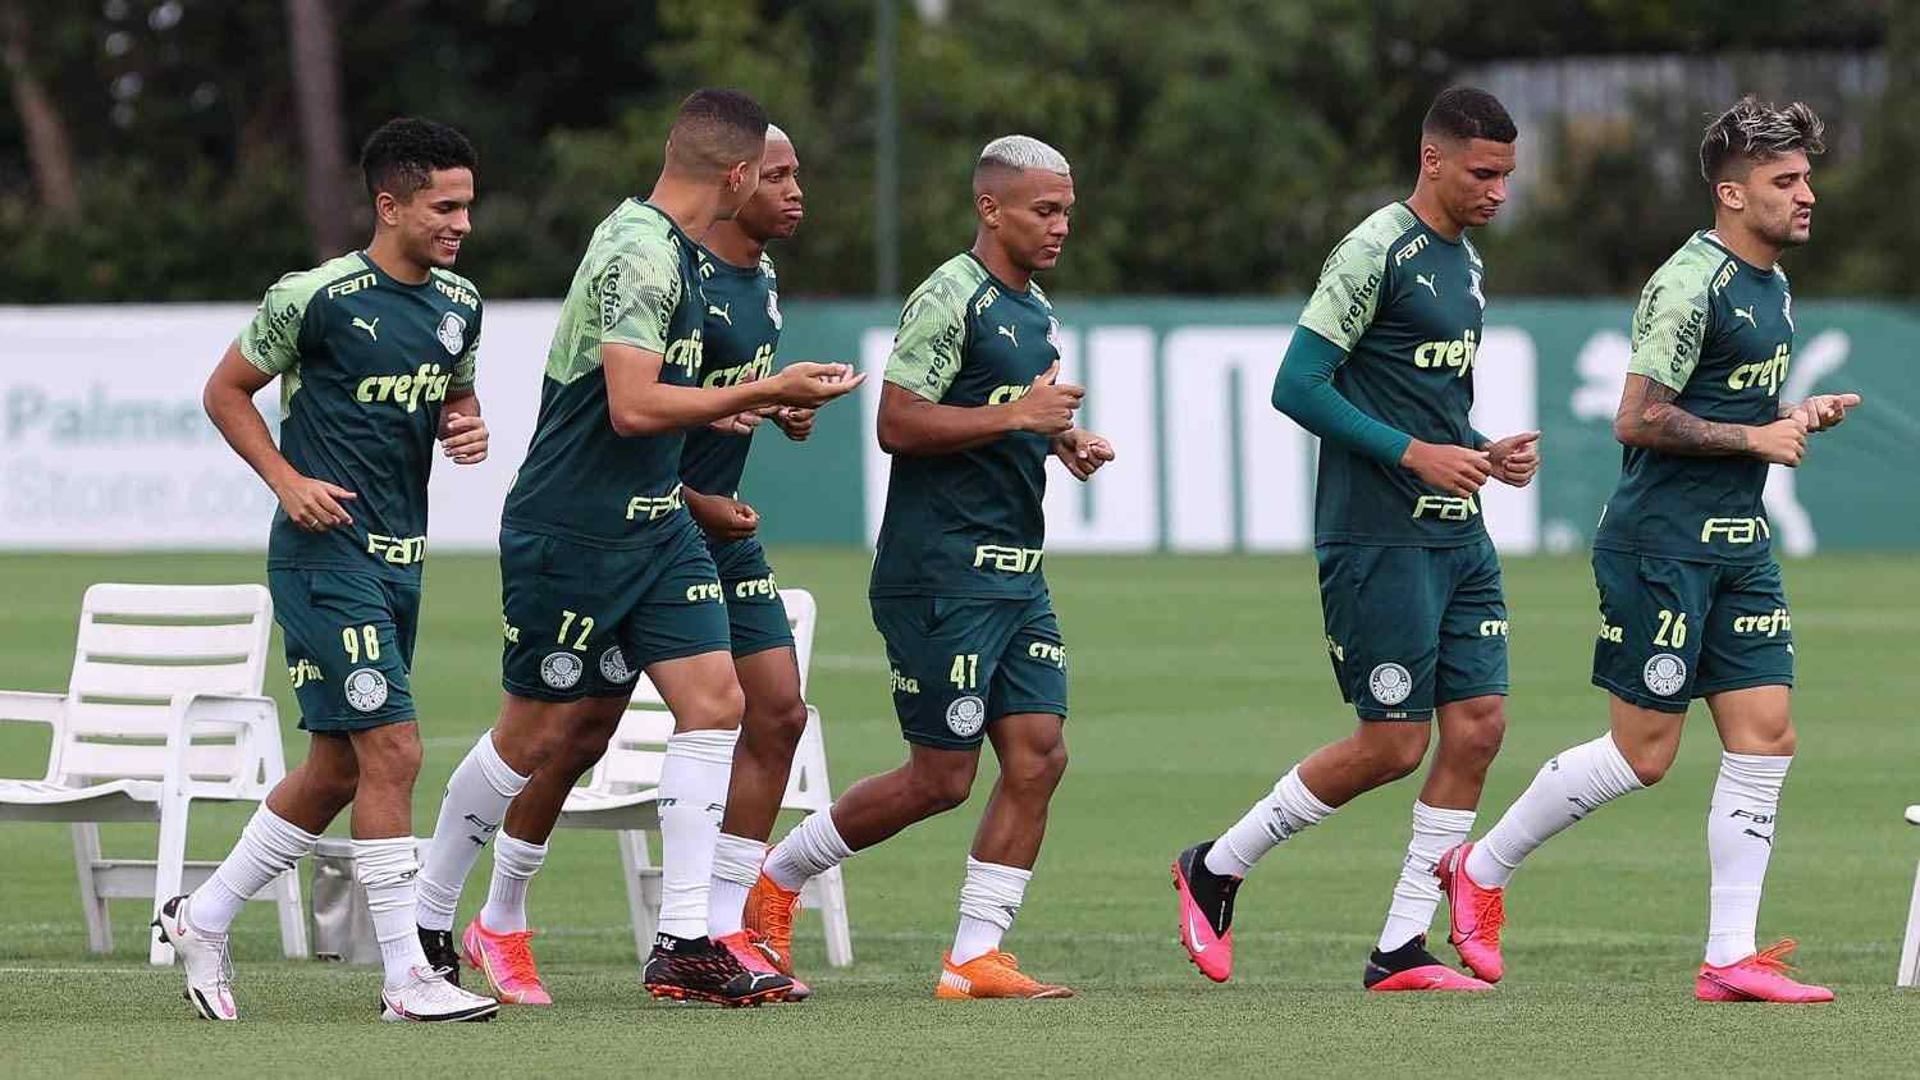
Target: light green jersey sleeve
x,y
466,368
931,342
1353,278
1670,322
638,290
271,340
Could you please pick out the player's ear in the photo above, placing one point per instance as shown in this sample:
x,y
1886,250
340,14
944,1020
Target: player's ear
x,y
988,208
1731,194
1430,159
386,209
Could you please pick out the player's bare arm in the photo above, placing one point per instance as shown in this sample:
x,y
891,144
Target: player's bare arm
x,y
311,504
1649,419
638,403
911,425
1082,452
463,434
720,516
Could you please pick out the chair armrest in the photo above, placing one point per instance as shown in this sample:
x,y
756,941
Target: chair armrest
x,y
32,707
37,708
253,717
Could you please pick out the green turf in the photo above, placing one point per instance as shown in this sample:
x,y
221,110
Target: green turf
x,y
1195,682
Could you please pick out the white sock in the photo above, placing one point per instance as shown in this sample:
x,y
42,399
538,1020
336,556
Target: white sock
x,y
1740,831
1417,894
514,864
1287,809
268,847
386,869
693,796
1566,789
989,899
736,866
813,847
477,796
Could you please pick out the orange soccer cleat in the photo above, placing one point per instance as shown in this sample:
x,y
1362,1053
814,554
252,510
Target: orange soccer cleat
x,y
769,913
991,975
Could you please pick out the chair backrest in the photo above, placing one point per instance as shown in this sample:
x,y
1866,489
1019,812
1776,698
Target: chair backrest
x,y
139,645
638,750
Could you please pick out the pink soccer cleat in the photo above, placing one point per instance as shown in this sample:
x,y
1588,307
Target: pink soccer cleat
x,y
1412,967
1475,915
507,961
1206,912
1760,977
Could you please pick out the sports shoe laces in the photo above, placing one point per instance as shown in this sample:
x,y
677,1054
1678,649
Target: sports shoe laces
x,y
517,954
1774,957
1490,914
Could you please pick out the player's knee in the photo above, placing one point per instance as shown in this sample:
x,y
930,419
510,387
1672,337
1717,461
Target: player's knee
x,y
1039,770
777,727
942,789
1478,736
1650,761
716,708
389,762
1390,759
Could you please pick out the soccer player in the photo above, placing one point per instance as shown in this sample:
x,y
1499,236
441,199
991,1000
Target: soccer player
x,y
970,411
1691,602
1381,368
603,573
740,337
375,353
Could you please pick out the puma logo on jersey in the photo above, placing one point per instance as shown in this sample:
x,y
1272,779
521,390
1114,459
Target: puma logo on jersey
x,y
368,327
1747,314
722,310
1427,280
1008,330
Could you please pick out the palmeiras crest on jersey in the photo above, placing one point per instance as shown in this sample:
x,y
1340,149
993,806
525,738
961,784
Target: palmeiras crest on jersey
x,y
452,333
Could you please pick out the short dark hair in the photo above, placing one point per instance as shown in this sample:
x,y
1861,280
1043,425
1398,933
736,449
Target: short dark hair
x,y
715,129
401,155
1466,112
1753,131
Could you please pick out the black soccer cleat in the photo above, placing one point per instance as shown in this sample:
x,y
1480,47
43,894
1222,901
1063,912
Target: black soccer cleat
x,y
1412,967
696,969
442,954
1206,912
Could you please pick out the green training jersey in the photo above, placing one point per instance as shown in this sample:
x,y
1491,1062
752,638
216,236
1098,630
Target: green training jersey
x,y
741,333
1405,304
968,524
1720,332
365,363
636,285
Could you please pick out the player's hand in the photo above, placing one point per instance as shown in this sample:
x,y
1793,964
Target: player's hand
x,y
1783,442
741,423
1515,458
1822,411
809,385
314,505
723,518
1455,470
797,424
1047,407
464,438
1082,452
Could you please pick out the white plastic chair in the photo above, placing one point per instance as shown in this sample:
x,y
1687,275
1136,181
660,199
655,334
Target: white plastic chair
x,y
620,795
163,708
1910,947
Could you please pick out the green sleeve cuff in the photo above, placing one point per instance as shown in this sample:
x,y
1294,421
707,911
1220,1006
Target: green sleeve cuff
x,y
1304,391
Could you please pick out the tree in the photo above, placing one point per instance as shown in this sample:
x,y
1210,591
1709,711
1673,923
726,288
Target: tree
x,y
49,150
316,87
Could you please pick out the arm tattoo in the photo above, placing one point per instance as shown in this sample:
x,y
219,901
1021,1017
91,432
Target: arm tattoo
x,y
1649,419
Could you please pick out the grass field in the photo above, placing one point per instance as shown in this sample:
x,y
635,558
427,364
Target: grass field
x,y
1195,682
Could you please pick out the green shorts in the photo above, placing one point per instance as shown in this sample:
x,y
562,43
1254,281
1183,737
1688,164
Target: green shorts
x,y
756,618
1673,630
1410,629
961,663
583,621
349,643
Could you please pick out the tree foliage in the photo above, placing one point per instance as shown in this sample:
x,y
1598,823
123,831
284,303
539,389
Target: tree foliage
x,y
1219,146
